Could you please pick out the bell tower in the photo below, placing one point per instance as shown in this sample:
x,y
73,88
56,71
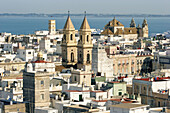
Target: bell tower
x,y
69,44
84,45
52,27
145,28
132,24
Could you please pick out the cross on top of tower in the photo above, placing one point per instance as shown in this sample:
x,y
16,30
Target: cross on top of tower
x,y
68,13
85,13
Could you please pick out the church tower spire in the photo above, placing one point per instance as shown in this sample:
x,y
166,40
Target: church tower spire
x,y
132,24
69,44
145,28
85,24
144,23
84,45
69,25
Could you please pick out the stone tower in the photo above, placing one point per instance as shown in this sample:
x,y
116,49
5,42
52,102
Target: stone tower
x,y
36,83
52,27
145,28
69,44
132,24
85,45
139,31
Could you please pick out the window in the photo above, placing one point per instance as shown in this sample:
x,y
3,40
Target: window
x,y
120,93
144,88
132,61
42,96
88,57
132,68
119,62
126,70
159,103
165,104
123,70
84,76
75,78
23,52
80,37
71,37
42,83
123,62
29,52
72,57
87,38
80,56
64,37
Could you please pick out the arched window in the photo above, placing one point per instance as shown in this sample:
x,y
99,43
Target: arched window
x,y
64,38
71,37
72,57
80,56
88,58
80,37
87,38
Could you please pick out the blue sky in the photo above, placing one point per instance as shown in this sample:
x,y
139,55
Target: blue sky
x,y
91,6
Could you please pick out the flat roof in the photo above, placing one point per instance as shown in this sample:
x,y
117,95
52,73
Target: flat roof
x,y
128,106
78,107
155,79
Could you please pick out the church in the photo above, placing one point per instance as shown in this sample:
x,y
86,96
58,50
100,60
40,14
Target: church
x,y
116,29
77,54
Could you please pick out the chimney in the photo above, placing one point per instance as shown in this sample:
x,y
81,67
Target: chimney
x,y
11,102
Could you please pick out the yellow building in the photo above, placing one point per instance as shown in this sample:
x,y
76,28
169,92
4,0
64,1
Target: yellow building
x,y
84,45
69,44
52,27
131,64
12,66
148,91
82,77
74,53
14,108
116,28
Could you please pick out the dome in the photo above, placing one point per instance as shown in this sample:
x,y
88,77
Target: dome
x,y
39,55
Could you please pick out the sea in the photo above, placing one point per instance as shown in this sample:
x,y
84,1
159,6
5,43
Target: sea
x,y
28,25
